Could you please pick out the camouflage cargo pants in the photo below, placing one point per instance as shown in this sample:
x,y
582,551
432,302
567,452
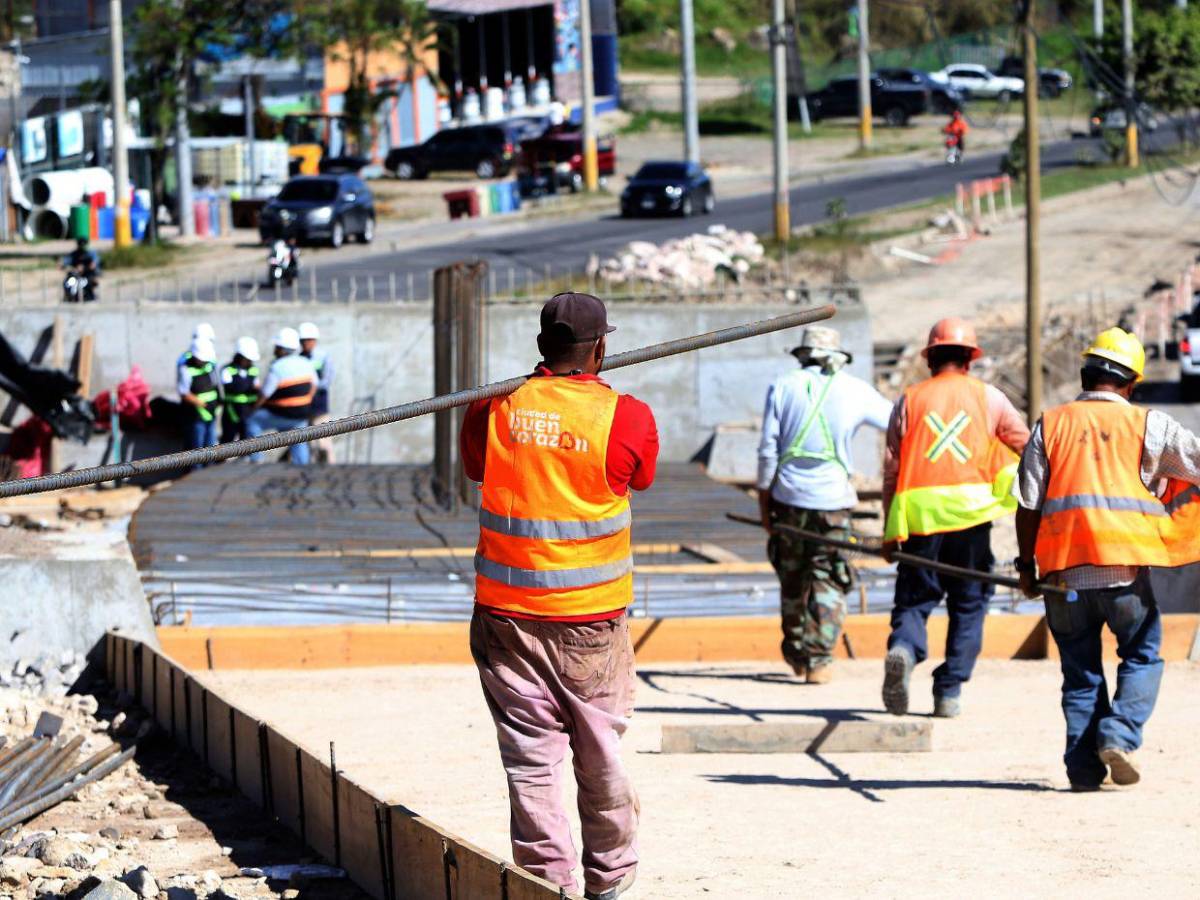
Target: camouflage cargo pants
x,y
813,581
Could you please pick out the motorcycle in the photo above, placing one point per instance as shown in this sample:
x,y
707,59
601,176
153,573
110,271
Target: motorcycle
x,y
281,265
953,150
77,287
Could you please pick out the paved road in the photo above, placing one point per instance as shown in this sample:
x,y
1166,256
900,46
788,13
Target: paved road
x,y
532,251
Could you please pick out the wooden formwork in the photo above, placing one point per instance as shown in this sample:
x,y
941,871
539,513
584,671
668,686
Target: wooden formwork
x,y
386,849
727,639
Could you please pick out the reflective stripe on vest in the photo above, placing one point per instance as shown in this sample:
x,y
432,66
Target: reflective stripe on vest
x,y
1181,530
1096,510
954,473
293,392
554,540
204,387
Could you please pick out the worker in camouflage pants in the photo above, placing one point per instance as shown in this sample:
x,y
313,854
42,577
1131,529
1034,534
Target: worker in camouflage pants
x,y
804,468
813,581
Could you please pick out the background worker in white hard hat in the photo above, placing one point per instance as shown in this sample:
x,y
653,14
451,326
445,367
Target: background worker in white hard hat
x,y
804,466
202,332
286,396
951,456
239,383
1090,521
200,393
309,336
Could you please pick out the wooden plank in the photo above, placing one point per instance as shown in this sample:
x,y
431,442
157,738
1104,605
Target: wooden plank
x,y
844,736
285,789
162,713
249,761
110,657
417,856
522,885
318,804
360,837
83,368
149,658
195,692
130,672
474,873
220,759
179,707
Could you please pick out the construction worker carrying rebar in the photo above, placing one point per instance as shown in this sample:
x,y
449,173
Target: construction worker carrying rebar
x,y
557,459
952,446
804,466
1090,520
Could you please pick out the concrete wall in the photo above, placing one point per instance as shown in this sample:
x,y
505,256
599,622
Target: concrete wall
x,y
383,357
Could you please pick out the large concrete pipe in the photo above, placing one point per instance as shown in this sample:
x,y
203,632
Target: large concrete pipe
x,y
60,190
47,222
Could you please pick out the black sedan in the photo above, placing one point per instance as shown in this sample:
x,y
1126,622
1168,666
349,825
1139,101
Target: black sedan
x,y
678,188
326,208
943,96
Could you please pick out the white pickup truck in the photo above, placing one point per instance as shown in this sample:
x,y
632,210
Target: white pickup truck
x,y
979,81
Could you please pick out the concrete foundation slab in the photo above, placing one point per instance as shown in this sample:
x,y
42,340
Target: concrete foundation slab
x,y
834,736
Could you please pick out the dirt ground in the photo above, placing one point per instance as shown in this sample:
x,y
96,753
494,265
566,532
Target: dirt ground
x,y
1107,244
986,810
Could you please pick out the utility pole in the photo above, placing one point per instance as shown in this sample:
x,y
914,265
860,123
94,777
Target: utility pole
x,y
183,150
591,171
1131,129
1033,213
864,77
248,116
691,121
1098,18
121,233
779,30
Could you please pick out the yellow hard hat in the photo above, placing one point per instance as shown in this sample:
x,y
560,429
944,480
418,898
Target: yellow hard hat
x,y
1119,346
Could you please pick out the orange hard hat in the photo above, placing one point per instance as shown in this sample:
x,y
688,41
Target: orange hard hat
x,y
953,332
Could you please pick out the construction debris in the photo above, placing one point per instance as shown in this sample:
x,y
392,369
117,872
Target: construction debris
x,y
695,261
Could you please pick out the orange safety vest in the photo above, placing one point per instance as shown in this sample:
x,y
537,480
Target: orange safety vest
x,y
1181,529
1096,510
554,539
954,472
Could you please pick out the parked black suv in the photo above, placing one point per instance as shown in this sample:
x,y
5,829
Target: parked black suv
x,y
943,96
487,150
897,102
320,208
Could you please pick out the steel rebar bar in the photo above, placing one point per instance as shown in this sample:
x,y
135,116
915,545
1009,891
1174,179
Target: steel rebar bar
x,y
207,455
66,778
35,806
914,560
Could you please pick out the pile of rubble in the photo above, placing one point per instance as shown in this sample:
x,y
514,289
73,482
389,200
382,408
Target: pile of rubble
x,y
693,262
127,837
44,675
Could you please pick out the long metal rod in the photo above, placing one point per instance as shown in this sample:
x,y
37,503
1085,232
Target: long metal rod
x,y
31,809
911,559
1033,217
186,459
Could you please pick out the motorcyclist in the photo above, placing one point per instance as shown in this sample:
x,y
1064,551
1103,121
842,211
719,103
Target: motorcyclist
x,y
957,128
83,260
288,253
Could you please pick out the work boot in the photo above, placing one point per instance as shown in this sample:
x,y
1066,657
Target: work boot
x,y
1084,788
612,893
897,667
1121,765
799,668
946,707
820,674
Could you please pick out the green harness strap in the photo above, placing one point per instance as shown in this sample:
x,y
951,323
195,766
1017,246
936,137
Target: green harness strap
x,y
816,416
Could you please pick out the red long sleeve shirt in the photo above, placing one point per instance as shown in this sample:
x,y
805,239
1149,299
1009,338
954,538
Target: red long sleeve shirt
x,y
630,461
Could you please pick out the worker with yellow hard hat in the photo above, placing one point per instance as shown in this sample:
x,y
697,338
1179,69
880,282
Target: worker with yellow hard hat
x,y
952,445
1089,520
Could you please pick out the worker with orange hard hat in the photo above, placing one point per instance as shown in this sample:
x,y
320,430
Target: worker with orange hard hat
x,y
1090,520
952,446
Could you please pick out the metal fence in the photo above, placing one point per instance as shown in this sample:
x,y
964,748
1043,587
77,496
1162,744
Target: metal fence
x,y
355,281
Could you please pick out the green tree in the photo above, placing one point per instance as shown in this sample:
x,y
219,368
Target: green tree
x,y
358,30
1166,56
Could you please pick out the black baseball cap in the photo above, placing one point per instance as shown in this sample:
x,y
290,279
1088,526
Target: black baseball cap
x,y
575,318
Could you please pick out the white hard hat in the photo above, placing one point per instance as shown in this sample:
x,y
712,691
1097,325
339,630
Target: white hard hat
x,y
287,339
309,331
203,350
247,347
204,331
